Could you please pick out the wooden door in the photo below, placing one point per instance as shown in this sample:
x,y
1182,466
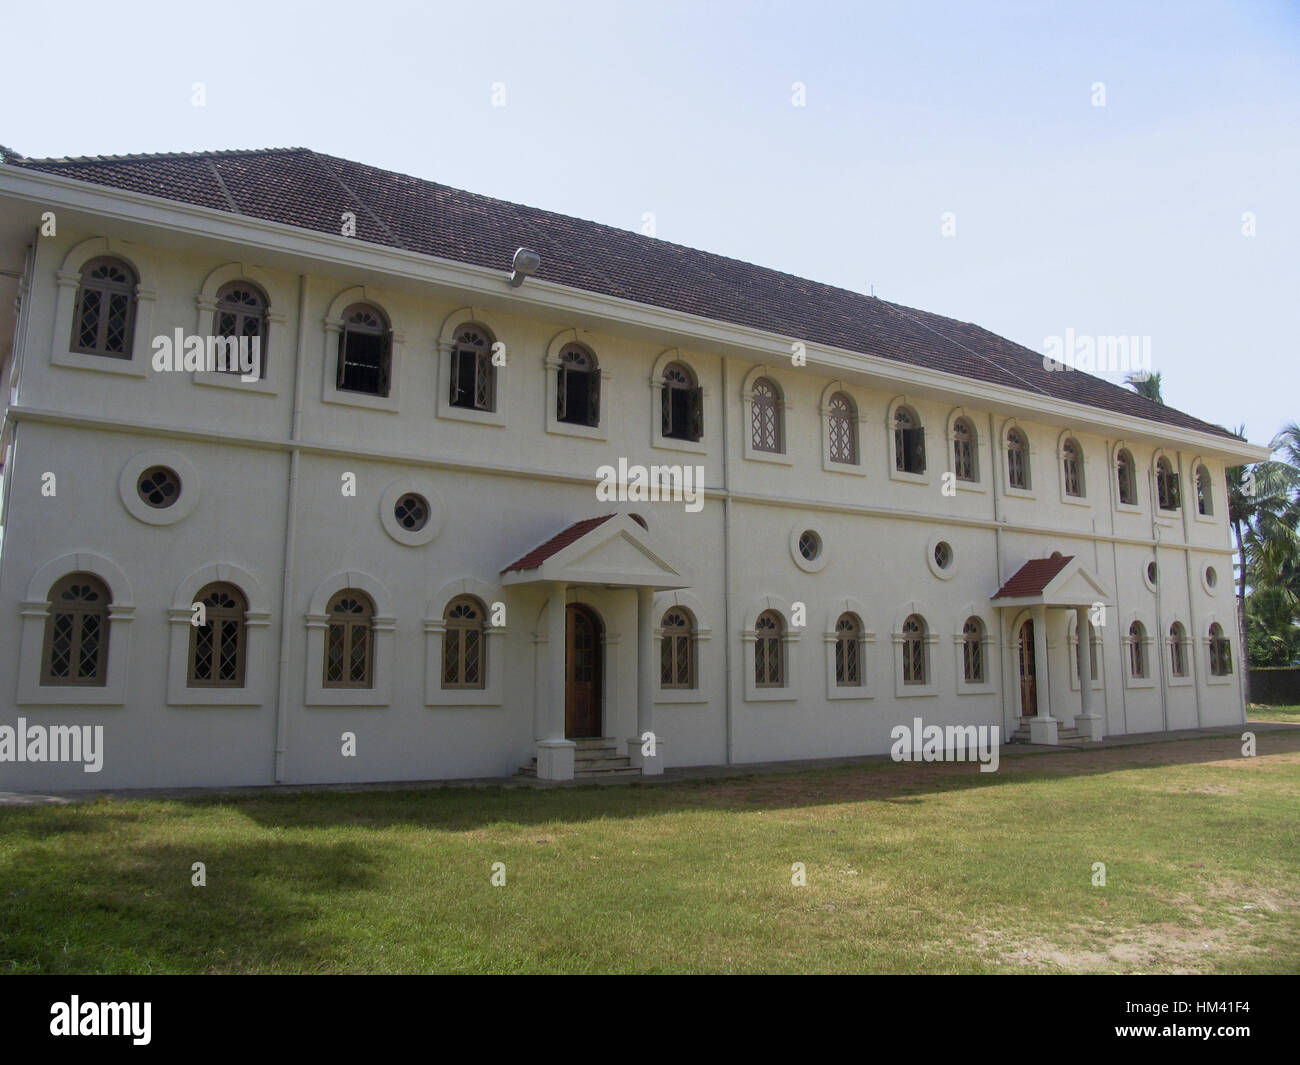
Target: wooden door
x,y
582,679
1028,676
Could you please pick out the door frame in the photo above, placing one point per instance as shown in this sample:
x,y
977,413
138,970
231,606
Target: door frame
x,y
598,671
1021,652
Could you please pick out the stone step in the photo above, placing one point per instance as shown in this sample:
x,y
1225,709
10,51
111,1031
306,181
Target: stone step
x,y
604,773
591,765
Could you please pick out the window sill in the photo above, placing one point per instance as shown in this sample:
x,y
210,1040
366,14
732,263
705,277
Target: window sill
x,y
770,695
358,697
58,695
216,698
1128,508
915,691
1075,501
909,478
670,697
587,432
1019,493
976,689
778,458
343,398
1139,683
851,469
475,417
673,443
849,692
210,378
1218,680
457,697
977,487
75,360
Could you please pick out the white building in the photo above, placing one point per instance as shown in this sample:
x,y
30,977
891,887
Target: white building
x,y
396,529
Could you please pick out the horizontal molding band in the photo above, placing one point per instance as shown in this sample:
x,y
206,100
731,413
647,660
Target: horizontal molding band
x,y
286,446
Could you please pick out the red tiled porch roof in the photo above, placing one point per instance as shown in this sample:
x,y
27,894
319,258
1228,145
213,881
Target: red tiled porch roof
x,y
1033,577
557,543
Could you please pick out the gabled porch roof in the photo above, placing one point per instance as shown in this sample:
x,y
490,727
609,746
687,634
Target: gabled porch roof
x,y
614,550
1058,582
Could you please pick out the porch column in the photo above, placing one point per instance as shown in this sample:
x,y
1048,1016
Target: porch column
x,y
554,751
638,745
1042,729
1089,724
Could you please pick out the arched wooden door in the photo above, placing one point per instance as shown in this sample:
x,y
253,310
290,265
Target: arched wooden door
x,y
1028,674
583,682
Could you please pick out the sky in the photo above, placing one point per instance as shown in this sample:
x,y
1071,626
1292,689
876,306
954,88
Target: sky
x,y
1105,169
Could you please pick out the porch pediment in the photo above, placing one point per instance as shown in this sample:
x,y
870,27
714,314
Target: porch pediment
x,y
1056,582
614,550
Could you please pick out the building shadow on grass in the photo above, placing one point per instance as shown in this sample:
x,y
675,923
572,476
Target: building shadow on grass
x,y
868,779
73,909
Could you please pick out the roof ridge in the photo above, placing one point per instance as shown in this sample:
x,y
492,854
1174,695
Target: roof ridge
x,y
141,157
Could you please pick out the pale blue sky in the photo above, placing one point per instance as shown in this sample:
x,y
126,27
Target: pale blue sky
x,y
1124,219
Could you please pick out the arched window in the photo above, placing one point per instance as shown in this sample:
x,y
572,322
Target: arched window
x,y
769,651
1166,485
1177,650
842,424
848,651
349,641
963,450
681,404
473,377
765,417
578,388
365,351
76,633
241,316
909,442
1017,459
677,649
1220,652
105,318
463,646
914,664
217,646
1204,492
1126,474
972,651
1137,650
1072,467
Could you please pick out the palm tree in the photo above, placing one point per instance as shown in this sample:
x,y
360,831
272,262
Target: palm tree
x,y
1145,383
1264,512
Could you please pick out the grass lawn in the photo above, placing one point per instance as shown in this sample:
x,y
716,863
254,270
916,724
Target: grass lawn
x,y
910,868
1288,714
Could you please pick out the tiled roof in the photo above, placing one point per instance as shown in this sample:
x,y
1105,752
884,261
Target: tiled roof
x,y
1033,577
557,543
303,188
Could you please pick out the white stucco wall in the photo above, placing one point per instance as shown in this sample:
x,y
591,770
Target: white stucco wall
x,y
504,485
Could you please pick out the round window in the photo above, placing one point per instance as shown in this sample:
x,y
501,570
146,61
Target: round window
x,y
1211,576
810,544
159,487
412,512
1153,572
943,554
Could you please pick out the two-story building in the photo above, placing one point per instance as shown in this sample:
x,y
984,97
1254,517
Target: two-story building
x,y
424,535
